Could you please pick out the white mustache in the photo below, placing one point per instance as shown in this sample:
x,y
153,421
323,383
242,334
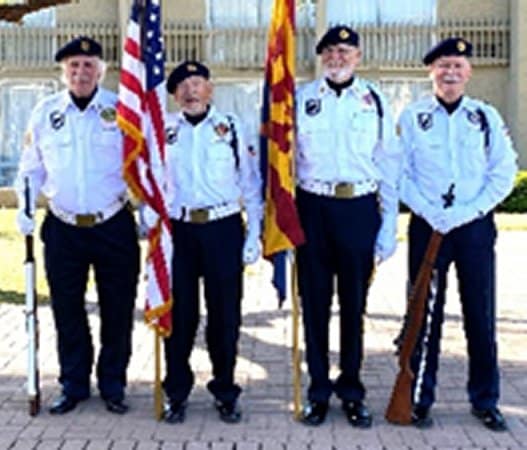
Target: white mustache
x,y
450,79
337,74
80,78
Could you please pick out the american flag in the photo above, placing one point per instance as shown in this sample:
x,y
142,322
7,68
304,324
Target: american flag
x,y
140,114
282,230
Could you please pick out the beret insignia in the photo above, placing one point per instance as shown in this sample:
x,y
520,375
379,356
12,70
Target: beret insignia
x,y
343,34
85,46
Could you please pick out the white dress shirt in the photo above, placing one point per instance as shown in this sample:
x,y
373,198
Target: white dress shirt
x,y
202,169
444,150
74,156
339,140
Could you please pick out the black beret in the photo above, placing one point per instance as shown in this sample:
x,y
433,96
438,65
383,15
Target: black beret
x,y
81,45
184,70
338,35
453,46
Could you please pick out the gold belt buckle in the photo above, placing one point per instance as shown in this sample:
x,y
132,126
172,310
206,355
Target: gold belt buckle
x,y
344,190
85,220
200,215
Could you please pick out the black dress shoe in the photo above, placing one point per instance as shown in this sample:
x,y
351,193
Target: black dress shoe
x,y
175,412
314,413
491,418
357,414
116,406
63,404
421,417
229,411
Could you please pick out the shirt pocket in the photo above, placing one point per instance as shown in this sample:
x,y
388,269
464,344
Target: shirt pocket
x,y
315,136
57,150
430,154
473,154
363,132
220,164
107,151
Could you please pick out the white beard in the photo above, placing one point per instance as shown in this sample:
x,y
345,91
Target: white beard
x,y
338,75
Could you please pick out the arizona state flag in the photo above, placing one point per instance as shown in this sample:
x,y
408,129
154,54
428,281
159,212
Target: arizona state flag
x,y
282,230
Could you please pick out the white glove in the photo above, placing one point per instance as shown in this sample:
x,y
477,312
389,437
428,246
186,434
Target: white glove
x,y
25,224
386,242
147,219
252,248
384,251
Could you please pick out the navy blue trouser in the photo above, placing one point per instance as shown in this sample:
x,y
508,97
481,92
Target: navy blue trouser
x,y
113,251
471,249
213,251
340,240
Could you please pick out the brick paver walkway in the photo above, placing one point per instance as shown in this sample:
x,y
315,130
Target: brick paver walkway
x,y
264,371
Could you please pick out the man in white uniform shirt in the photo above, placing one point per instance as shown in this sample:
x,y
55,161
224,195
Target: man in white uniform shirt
x,y
459,164
212,177
73,155
347,165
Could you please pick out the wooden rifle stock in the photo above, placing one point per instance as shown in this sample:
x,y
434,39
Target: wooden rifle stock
x,y
399,409
33,384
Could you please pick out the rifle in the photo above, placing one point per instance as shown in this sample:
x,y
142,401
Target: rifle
x,y
33,385
399,409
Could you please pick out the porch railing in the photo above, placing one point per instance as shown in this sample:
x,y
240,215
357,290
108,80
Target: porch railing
x,y
244,48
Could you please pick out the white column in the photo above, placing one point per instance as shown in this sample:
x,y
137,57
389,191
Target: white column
x,y
320,28
517,108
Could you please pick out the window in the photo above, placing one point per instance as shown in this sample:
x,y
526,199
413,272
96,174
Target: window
x,y
240,30
376,12
400,91
17,99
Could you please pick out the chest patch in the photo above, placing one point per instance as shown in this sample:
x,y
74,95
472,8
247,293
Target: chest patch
x,y
221,129
171,135
425,121
313,106
108,115
474,118
57,120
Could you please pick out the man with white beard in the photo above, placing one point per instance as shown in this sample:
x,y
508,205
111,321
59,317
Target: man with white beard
x,y
347,165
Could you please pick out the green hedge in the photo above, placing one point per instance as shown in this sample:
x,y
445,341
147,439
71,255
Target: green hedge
x,y
516,202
